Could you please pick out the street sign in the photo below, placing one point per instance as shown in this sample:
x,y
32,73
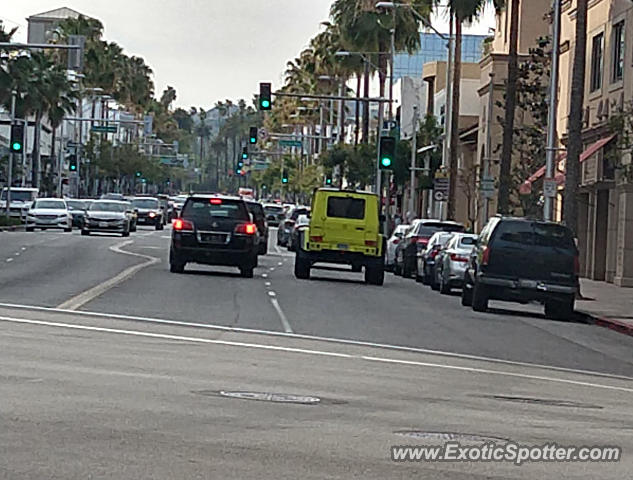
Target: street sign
x,y
487,187
549,188
104,129
441,188
290,143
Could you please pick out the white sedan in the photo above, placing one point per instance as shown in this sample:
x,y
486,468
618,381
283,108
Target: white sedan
x,y
49,213
392,243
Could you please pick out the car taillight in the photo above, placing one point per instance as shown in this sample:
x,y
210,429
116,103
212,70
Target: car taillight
x,y
181,225
434,253
370,243
396,241
246,228
576,265
458,258
316,238
422,241
485,256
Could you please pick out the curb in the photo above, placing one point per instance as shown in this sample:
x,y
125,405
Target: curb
x,y
610,323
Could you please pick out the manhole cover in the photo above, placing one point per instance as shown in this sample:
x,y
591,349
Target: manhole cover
x,y
268,397
542,401
446,436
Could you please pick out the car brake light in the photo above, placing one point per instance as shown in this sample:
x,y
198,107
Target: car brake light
x,y
458,258
370,243
181,225
396,241
422,241
316,238
485,256
246,228
434,253
215,201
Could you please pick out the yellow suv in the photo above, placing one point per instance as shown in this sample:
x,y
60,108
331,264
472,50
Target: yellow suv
x,y
345,229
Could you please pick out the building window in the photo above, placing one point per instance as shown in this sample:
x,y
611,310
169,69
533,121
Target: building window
x,y
617,67
597,45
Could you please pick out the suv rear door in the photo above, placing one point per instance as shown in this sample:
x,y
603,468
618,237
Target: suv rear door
x,y
217,215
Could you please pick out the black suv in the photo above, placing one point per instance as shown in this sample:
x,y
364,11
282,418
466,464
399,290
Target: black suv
x,y
256,209
522,260
149,212
214,230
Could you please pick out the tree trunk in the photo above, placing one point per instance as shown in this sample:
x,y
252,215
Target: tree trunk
x,y
574,144
35,153
503,203
357,122
457,78
366,104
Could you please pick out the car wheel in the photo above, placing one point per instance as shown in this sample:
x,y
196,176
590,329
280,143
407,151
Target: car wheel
x,y
302,266
358,268
175,265
30,229
433,280
445,288
375,273
560,309
263,247
126,232
133,228
467,295
85,232
480,297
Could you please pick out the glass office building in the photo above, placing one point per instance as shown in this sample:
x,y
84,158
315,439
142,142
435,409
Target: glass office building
x,y
433,49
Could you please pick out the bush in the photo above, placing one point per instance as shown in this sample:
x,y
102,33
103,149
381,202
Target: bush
x,y
8,221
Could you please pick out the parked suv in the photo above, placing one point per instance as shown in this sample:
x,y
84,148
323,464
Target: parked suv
x,y
345,229
522,260
214,230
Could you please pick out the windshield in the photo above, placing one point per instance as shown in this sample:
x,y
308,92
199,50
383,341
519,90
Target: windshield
x,y
76,205
145,203
201,209
50,204
107,207
18,196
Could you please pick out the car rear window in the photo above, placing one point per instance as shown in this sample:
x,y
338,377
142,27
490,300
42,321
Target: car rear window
x,y
346,207
467,241
548,235
203,208
520,233
299,211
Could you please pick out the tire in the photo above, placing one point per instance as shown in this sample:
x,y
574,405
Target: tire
x,y
159,226
418,278
358,268
467,296
175,265
246,272
126,232
397,270
85,233
375,273
560,309
30,229
302,266
68,230
433,281
480,297
133,228
445,288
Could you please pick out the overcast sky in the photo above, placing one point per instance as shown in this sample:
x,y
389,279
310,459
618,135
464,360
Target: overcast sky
x,y
208,50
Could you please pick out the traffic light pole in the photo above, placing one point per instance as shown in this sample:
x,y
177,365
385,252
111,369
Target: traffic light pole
x,y
10,168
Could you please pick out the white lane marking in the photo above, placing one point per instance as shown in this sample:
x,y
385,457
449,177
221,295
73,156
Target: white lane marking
x,y
165,236
9,260
81,299
272,294
150,247
280,263
267,284
272,269
322,353
23,248
280,312
340,341
17,254
264,275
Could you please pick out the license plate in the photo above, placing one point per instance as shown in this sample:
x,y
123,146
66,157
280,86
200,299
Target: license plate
x,y
527,283
103,224
214,238
343,246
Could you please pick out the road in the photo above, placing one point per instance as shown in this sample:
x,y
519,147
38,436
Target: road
x,y
112,368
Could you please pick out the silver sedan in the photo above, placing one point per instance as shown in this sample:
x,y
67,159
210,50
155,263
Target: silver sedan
x,y
453,261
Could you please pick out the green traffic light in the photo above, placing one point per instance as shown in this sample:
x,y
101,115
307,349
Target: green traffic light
x,y
284,180
386,162
73,168
265,103
16,146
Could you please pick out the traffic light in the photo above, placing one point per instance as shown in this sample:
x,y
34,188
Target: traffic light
x,y
284,176
328,179
265,100
387,152
17,138
72,160
139,174
244,155
252,137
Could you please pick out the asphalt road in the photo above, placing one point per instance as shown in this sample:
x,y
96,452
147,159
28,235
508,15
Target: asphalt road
x,y
105,380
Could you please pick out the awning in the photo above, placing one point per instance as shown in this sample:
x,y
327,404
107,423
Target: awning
x,y
559,176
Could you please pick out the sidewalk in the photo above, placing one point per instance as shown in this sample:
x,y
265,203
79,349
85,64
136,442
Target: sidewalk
x,y
608,305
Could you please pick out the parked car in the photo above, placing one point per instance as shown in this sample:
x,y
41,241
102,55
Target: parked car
x,y
451,262
132,214
426,261
274,214
214,230
396,237
302,223
48,213
286,226
256,209
415,242
20,201
77,209
150,211
107,216
522,260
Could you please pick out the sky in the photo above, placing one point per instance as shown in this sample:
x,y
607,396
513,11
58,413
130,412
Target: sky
x,y
208,50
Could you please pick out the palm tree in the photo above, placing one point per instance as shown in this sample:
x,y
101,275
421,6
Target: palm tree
x,y
503,204
574,144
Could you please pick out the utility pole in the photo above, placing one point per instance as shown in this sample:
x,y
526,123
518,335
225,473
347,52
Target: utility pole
x,y
10,168
393,56
488,159
414,147
550,193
